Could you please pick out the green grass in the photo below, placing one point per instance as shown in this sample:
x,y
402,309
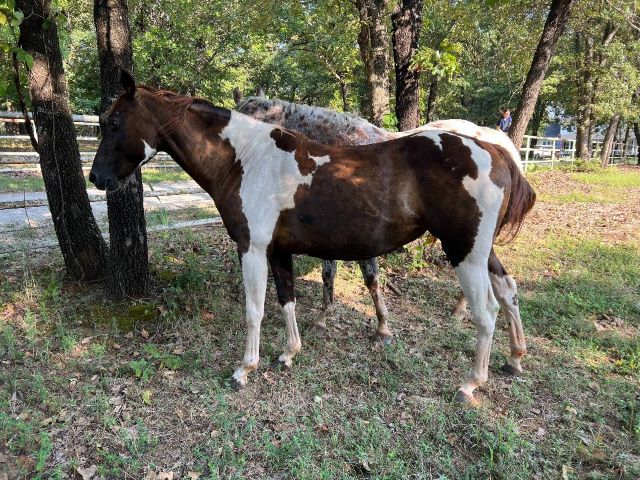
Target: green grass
x,y
34,183
610,177
156,175
10,184
150,390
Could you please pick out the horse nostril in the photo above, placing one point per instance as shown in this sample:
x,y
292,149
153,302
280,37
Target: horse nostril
x,y
92,177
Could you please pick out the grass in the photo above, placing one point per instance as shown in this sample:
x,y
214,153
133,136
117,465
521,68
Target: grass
x,y
34,183
610,177
142,386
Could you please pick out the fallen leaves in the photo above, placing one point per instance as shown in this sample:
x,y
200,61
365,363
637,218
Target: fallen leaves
x,y
607,322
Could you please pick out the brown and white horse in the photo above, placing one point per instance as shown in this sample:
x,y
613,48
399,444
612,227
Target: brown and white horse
x,y
329,127
281,194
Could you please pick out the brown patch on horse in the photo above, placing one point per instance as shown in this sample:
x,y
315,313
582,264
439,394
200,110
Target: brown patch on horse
x,y
290,142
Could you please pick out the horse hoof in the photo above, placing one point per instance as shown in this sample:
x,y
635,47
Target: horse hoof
x,y
465,399
235,385
279,365
511,370
384,338
318,329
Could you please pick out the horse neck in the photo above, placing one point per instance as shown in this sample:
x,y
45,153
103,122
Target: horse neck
x,y
195,144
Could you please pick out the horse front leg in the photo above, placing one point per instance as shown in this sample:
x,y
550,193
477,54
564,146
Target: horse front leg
x,y
319,324
282,269
369,269
254,277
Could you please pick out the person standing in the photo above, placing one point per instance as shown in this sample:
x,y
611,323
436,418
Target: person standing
x,y
504,122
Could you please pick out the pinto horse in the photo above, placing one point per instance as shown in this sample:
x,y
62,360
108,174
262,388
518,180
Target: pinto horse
x,y
281,194
329,127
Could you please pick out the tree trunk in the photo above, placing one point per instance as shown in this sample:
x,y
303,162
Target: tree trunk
x,y
344,94
129,272
609,137
407,23
373,41
625,143
556,20
431,101
83,248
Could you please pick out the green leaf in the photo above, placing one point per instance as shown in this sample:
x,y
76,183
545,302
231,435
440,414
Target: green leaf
x,y
3,18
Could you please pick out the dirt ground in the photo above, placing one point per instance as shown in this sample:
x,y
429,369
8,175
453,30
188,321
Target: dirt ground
x,y
94,389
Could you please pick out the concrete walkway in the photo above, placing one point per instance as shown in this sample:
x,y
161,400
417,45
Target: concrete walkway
x,y
25,220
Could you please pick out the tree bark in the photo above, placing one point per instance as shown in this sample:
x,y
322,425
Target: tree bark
x,y
556,20
344,94
83,248
625,143
609,137
373,40
407,23
431,101
129,272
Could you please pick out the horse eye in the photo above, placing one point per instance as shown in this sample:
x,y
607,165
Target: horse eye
x,y
112,122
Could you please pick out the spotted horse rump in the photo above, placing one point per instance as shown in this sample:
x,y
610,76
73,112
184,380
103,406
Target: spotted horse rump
x,y
281,194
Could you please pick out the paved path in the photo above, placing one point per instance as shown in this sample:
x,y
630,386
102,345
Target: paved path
x,y
25,220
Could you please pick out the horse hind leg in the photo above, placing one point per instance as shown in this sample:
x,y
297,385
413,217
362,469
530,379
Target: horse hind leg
x,y
476,285
369,269
506,292
282,269
319,324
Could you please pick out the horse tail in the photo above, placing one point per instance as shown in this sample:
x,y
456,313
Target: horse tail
x,y
521,200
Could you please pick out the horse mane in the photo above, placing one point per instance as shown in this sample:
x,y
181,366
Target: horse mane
x,y
179,106
343,120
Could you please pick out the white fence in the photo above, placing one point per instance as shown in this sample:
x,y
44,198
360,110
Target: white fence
x,y
551,151
21,156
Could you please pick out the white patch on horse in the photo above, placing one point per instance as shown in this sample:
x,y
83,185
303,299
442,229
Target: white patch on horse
x,y
432,135
270,176
488,196
149,153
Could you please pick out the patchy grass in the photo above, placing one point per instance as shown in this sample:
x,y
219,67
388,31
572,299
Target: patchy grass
x,y
26,182
140,387
610,177
22,183
156,175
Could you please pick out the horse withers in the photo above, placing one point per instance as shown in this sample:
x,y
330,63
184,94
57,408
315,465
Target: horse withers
x,y
281,194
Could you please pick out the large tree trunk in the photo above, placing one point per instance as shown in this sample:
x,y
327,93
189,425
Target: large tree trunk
x,y
431,101
373,40
407,23
129,271
556,20
83,248
609,137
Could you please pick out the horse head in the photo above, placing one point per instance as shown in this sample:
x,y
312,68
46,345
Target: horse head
x,y
128,138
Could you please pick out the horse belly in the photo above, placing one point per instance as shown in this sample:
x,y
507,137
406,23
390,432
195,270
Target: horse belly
x,y
343,233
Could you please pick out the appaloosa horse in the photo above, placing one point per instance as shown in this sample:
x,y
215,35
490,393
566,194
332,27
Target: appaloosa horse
x,y
280,194
329,127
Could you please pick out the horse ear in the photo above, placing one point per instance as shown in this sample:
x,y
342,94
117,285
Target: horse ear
x,y
237,95
128,83
260,91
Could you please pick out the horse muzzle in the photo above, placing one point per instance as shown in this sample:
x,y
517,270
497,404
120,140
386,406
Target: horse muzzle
x,y
104,181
